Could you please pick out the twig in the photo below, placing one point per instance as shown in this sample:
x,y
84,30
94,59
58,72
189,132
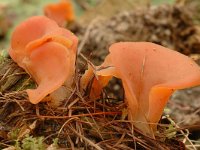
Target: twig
x,y
89,62
72,103
86,139
186,136
4,76
65,124
18,103
80,96
24,84
81,115
16,74
120,140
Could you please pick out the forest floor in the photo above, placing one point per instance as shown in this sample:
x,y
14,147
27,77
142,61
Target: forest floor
x,y
81,123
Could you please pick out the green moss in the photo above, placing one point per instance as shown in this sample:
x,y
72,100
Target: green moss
x,y
158,2
30,143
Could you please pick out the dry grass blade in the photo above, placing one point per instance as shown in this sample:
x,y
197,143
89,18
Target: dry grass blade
x,y
186,136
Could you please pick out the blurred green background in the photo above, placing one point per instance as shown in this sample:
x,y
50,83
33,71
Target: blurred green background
x,y
14,11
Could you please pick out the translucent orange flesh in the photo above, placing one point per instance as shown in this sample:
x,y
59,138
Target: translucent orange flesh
x,y
60,12
49,65
47,53
153,75
98,76
150,73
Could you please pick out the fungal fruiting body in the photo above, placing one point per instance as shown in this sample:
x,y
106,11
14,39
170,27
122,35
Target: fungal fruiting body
x,y
150,73
47,52
61,12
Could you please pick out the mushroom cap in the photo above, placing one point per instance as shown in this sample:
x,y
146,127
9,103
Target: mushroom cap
x,y
49,75
28,31
37,28
47,52
150,73
60,12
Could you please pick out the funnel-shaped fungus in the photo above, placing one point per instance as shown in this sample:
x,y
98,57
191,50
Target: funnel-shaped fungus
x,y
61,12
47,52
150,74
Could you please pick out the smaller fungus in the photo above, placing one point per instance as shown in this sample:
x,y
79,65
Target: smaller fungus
x,y
98,81
47,52
61,12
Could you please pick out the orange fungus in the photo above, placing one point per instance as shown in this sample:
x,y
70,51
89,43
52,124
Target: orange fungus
x,y
60,12
150,73
47,52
